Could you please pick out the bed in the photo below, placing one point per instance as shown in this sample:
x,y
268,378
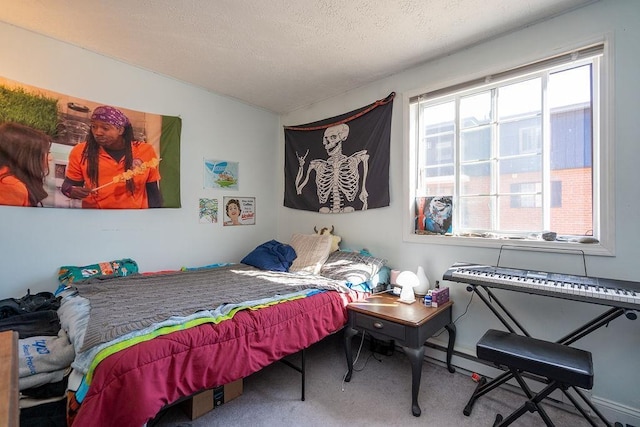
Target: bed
x,y
145,341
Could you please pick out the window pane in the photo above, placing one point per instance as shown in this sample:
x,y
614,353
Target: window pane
x,y
475,110
437,181
574,215
475,213
475,144
527,169
439,133
570,87
435,157
519,99
526,195
439,117
439,149
475,178
523,136
524,219
571,150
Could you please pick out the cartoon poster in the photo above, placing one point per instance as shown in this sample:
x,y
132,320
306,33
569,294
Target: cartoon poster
x,y
221,174
433,215
239,210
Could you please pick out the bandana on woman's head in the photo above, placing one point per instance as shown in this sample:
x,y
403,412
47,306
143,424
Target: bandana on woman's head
x,y
110,115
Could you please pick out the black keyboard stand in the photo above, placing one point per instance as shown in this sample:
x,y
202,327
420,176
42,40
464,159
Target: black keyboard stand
x,y
484,291
511,323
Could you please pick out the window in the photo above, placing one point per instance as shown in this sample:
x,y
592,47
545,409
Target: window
x,y
518,152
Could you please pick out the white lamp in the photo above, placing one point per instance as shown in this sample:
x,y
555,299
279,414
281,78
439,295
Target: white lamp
x,y
423,282
408,280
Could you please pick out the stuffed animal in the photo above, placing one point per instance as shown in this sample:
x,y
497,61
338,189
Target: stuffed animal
x,y
335,244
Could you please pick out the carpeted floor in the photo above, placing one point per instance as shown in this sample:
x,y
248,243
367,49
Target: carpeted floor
x,y
379,394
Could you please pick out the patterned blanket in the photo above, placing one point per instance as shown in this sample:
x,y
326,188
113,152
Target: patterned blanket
x,y
126,304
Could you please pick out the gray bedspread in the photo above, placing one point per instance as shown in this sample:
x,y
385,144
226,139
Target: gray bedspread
x,y
126,304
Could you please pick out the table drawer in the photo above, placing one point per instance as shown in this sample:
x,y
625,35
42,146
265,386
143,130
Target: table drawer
x,y
380,326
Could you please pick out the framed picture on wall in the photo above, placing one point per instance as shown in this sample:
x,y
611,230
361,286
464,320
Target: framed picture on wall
x,y
239,210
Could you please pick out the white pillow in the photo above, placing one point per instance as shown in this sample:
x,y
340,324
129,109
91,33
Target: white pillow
x,y
312,251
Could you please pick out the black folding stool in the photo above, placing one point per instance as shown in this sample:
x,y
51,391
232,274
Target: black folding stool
x,y
562,366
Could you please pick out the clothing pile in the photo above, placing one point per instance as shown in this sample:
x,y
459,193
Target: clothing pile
x,y
44,357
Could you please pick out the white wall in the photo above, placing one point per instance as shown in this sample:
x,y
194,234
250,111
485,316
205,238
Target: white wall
x,y
36,241
615,348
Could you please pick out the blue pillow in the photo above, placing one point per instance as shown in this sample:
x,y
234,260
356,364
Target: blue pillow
x,y
271,255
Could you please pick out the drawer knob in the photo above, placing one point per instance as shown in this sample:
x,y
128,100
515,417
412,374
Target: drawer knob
x,y
377,325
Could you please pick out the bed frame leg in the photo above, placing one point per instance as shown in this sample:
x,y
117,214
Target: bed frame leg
x,y
300,369
303,374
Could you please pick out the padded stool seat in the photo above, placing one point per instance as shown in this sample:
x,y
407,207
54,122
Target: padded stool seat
x,y
567,365
562,366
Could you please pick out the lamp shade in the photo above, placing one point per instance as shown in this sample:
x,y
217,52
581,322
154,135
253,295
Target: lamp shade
x,y
423,282
408,280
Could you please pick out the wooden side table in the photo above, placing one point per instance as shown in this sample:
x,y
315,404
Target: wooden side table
x,y
409,325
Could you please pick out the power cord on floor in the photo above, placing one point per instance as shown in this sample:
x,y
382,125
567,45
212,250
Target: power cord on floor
x,y
364,365
457,318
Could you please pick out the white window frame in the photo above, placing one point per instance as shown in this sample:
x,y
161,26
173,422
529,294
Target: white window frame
x,y
603,166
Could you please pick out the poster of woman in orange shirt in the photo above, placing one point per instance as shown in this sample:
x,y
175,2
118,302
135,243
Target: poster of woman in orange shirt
x,y
100,156
24,159
111,170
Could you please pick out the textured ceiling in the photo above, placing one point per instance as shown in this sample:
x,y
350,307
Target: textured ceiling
x,y
279,55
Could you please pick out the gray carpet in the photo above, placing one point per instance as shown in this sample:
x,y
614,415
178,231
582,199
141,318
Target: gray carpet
x,y
379,394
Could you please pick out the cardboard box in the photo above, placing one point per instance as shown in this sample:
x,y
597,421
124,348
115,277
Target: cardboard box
x,y
439,296
203,402
199,404
227,392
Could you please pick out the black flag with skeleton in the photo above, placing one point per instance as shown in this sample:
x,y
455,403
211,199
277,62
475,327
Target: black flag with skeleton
x,y
340,164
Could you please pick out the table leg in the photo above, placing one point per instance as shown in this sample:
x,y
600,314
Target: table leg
x,y
416,357
348,335
451,329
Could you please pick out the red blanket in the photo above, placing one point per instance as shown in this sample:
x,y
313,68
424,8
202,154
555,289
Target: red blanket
x,y
131,386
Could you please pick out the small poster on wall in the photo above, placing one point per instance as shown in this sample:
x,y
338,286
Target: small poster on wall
x,y
433,215
221,174
239,210
208,211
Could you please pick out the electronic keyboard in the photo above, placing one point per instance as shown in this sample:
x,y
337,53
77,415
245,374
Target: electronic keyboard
x,y
611,292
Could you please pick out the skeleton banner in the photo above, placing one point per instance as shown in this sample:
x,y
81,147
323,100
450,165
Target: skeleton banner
x,y
340,164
